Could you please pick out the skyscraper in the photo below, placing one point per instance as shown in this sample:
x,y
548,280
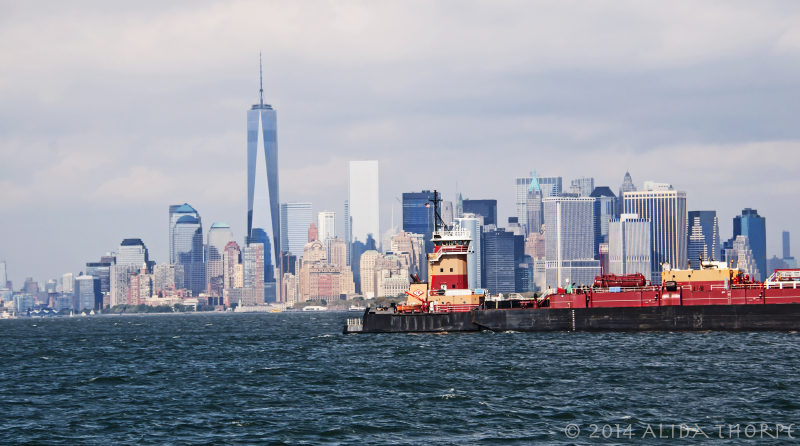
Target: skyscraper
x,y
754,227
605,209
666,210
627,186
418,215
87,293
219,235
3,274
363,200
326,225
263,201
486,208
569,241
101,270
348,231
784,239
498,258
67,282
629,245
583,186
132,252
474,266
177,211
706,237
231,257
295,220
550,186
523,185
253,261
188,245
533,207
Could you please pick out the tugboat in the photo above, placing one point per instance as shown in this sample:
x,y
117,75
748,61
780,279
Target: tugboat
x,y
715,297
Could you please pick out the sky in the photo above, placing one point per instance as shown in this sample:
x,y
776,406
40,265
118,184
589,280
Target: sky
x,y
112,111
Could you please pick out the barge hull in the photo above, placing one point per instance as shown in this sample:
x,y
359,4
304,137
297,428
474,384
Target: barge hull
x,y
765,317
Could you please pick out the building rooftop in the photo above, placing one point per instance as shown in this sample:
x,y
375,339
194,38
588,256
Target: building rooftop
x,y
187,219
132,242
185,209
602,191
219,225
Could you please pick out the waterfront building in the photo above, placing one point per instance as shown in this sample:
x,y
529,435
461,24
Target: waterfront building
x,y
367,273
188,249
295,222
167,276
363,201
569,241
629,245
418,215
23,302
87,295
263,195
67,283
140,287
391,275
605,209
498,261
474,260
120,280
665,208
102,271
485,208
131,256
253,274
703,236
754,227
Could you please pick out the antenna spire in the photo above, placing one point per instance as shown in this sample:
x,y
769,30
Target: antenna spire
x,y
261,79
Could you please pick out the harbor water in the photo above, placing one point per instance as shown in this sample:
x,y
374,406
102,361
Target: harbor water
x,y
293,378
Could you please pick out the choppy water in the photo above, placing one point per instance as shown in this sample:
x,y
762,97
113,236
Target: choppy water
x,y
294,379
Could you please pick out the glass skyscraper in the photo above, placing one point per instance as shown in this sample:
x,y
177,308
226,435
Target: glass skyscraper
x,y
708,240
753,226
485,208
295,221
177,211
188,243
418,215
263,204
218,238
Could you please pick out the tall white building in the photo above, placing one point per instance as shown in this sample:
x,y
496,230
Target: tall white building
x,y
295,221
326,225
3,274
629,245
740,255
363,193
583,186
666,210
67,283
473,225
569,241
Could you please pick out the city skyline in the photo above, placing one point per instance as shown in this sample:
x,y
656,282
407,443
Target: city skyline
x,y
169,139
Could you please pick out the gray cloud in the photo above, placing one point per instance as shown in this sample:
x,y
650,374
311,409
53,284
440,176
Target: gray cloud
x,y
111,112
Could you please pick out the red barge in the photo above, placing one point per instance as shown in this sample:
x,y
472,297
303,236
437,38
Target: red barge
x,y
715,297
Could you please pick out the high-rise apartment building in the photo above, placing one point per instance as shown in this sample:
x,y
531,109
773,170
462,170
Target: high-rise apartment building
x,y
703,236
188,248
253,270
629,245
418,215
569,241
167,276
754,227
263,197
367,269
131,256
363,193
485,208
666,210
605,209
219,235
295,220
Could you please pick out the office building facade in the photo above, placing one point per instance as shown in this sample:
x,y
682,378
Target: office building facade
x,y
754,227
418,216
485,208
629,245
87,294
498,261
363,201
295,220
474,259
189,252
703,236
605,209
666,211
569,241
219,235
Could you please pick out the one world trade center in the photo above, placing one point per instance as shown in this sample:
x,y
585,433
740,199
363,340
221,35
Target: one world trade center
x,y
263,208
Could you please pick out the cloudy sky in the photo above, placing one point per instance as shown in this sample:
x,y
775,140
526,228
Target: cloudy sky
x,y
109,113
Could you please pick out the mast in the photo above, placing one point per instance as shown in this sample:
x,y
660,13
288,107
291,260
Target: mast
x,y
438,222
